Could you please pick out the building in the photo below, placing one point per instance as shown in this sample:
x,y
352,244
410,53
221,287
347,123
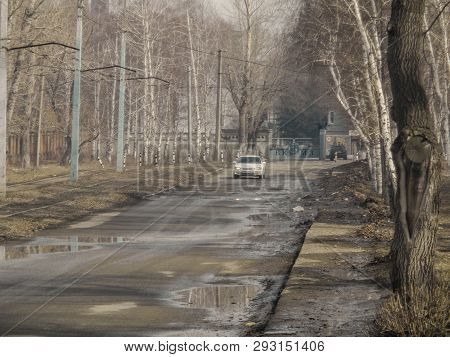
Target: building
x,y
338,131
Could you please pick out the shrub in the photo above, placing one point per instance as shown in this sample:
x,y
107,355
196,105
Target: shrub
x,y
423,313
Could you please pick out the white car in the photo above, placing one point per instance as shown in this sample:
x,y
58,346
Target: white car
x,y
250,166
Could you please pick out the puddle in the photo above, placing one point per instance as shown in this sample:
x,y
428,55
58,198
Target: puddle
x,y
20,252
47,245
111,308
266,216
220,297
103,240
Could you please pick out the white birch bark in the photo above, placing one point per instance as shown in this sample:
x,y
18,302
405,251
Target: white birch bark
x,y
195,84
112,119
374,72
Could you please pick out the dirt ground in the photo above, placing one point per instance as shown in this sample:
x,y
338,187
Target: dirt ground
x,y
44,198
348,187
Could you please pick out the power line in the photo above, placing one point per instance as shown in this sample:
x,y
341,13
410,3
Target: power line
x,y
238,59
151,77
41,45
108,67
436,18
225,57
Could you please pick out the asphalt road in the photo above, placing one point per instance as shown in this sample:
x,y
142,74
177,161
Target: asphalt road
x,y
207,259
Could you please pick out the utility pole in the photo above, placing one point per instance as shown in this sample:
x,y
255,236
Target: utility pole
x,y
76,97
190,112
219,106
121,124
3,93
41,108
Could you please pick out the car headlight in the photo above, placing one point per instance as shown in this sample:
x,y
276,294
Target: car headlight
x,y
237,168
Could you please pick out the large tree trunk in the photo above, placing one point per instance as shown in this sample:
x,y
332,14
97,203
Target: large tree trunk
x,y
416,150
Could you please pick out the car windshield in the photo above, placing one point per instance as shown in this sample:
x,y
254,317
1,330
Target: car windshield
x,y
249,160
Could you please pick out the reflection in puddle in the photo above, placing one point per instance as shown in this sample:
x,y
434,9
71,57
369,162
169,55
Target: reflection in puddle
x,y
222,297
54,245
103,240
8,253
267,216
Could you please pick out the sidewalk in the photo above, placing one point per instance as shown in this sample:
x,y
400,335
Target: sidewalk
x,y
328,292
337,282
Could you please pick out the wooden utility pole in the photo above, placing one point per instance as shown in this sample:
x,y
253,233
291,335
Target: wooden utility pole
x,y
219,106
121,123
3,93
75,140
189,112
41,108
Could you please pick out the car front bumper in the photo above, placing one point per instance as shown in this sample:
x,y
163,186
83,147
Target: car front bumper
x,y
248,173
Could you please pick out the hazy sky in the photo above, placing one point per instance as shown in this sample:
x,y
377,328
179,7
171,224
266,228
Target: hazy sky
x,y
222,6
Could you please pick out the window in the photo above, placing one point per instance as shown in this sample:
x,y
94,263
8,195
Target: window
x,y
249,160
331,118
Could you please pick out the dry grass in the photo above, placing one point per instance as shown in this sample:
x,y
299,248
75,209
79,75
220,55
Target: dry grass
x,y
16,175
97,190
48,169
427,314
378,230
98,202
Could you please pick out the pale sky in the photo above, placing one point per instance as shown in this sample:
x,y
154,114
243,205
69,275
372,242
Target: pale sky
x,y
223,6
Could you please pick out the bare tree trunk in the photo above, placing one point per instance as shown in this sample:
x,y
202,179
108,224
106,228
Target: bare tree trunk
x,y
374,72
136,130
371,163
445,112
243,130
195,82
65,157
27,22
26,159
416,151
378,166
129,121
112,119
95,153
146,126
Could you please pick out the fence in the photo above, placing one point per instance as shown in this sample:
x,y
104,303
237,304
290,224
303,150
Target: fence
x,y
51,146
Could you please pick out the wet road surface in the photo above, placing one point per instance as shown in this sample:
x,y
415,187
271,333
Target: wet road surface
x,y
204,260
